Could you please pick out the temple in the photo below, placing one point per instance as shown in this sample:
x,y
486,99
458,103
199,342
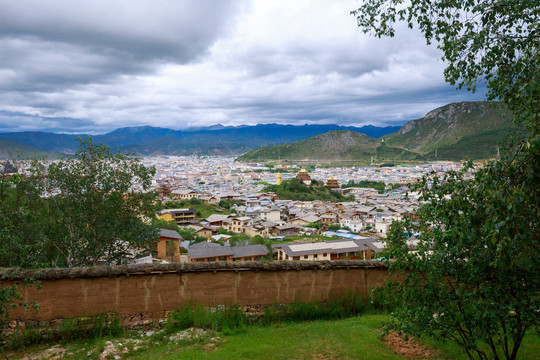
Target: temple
x,y
332,183
304,177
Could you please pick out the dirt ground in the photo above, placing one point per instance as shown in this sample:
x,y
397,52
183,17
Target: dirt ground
x,y
409,348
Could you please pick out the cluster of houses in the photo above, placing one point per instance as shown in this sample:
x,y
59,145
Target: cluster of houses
x,y
354,247
263,214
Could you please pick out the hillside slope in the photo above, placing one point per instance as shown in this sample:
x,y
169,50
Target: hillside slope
x,y
12,150
333,145
456,130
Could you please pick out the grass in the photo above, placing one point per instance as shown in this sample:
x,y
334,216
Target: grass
x,y
69,330
354,338
350,338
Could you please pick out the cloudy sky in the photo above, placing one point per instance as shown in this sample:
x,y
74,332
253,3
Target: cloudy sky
x,y
93,66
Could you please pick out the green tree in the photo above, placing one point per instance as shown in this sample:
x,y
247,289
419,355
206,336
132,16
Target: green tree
x,y
164,224
257,240
314,225
491,41
474,275
21,223
103,209
19,229
334,227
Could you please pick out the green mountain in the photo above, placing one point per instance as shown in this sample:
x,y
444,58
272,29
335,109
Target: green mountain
x,y
455,131
452,132
12,150
331,146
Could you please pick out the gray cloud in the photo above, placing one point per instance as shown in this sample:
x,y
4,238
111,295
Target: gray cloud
x,y
95,66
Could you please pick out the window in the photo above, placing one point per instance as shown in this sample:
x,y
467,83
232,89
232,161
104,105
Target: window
x,y
305,256
316,256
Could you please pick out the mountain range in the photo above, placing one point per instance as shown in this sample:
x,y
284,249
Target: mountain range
x,y
214,140
452,132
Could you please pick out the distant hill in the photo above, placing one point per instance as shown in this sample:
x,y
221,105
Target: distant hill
x,y
12,150
330,146
452,132
214,140
456,131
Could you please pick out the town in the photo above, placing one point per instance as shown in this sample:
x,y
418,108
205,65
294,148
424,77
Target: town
x,y
246,217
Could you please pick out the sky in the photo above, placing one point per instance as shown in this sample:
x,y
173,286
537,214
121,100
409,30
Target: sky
x,y
94,66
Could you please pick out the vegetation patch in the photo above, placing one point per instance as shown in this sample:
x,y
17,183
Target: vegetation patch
x,y
293,189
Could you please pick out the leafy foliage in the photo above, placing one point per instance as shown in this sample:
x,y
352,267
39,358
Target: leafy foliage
x,y
97,215
293,189
474,275
77,212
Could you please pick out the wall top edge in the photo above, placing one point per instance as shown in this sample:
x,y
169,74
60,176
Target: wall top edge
x,y
146,269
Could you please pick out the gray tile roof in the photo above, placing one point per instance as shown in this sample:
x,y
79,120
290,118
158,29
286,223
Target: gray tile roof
x,y
171,234
333,247
207,249
249,250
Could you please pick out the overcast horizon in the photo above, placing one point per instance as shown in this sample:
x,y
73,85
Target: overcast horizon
x,y
92,67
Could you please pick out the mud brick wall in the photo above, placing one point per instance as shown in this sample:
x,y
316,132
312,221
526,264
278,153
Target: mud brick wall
x,y
157,289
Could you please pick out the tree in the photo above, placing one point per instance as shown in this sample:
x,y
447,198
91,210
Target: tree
x,y
491,41
164,224
21,223
103,209
18,230
474,275
334,227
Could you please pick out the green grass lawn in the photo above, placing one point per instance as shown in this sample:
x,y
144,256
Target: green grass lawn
x,y
354,338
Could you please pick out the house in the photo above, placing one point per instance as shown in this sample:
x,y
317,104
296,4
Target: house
x,y
221,237
249,252
270,214
201,231
168,245
216,219
382,227
305,220
209,251
325,250
329,217
354,224
182,217
284,230
238,224
185,194
256,229
208,199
